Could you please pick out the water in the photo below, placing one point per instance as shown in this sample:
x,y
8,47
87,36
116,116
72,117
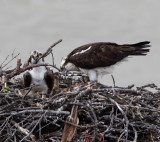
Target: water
x,y
36,24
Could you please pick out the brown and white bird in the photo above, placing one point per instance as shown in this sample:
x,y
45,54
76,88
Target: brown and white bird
x,y
41,76
99,58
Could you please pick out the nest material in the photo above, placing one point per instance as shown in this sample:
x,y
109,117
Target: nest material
x,y
76,111
80,112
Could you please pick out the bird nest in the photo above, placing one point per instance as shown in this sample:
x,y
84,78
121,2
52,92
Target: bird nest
x,y
78,111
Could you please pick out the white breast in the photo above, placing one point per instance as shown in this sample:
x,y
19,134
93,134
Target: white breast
x,y
71,67
94,73
38,79
100,71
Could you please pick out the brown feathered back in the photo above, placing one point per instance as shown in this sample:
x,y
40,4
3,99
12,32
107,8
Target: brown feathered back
x,y
104,54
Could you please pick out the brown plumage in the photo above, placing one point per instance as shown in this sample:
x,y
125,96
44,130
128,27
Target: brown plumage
x,y
49,79
104,54
96,59
27,79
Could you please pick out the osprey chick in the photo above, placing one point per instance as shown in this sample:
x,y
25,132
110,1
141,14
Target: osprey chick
x,y
96,59
40,76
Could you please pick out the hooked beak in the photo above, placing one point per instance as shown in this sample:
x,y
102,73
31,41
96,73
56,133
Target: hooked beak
x,y
63,70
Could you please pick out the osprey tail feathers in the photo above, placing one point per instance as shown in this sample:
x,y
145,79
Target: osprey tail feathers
x,y
140,48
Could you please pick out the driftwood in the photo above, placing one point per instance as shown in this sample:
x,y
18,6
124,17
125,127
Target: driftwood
x,y
78,111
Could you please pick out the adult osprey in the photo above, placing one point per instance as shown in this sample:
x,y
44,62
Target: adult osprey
x,y
40,76
100,58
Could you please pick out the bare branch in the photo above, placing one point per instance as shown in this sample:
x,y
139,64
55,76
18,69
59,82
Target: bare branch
x,y
11,60
19,70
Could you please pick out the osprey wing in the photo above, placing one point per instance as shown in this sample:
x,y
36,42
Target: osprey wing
x,y
27,79
49,79
104,54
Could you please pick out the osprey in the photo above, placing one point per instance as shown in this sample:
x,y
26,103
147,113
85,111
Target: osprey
x,y
40,76
96,59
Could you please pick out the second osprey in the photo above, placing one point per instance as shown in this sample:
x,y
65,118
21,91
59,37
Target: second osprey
x,y
99,58
40,76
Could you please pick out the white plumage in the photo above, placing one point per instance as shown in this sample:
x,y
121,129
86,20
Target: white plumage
x,y
41,77
92,73
38,79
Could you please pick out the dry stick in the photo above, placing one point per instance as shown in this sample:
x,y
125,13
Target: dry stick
x,y
19,70
23,130
39,121
135,134
125,117
80,126
54,65
129,105
10,134
69,131
82,93
93,113
36,111
142,108
52,59
95,120
4,61
4,124
49,50
1,66
111,122
40,129
121,90
151,85
10,60
13,52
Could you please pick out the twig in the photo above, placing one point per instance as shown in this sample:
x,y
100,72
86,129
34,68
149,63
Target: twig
x,y
135,134
22,130
49,50
131,91
4,61
19,70
125,117
49,112
11,60
33,127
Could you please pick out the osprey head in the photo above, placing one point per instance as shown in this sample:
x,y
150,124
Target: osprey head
x,y
62,66
67,65
34,58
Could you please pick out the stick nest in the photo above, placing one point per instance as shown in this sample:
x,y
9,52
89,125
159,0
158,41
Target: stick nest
x,y
80,112
76,110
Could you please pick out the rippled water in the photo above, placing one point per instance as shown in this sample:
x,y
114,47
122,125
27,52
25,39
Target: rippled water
x,y
35,24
